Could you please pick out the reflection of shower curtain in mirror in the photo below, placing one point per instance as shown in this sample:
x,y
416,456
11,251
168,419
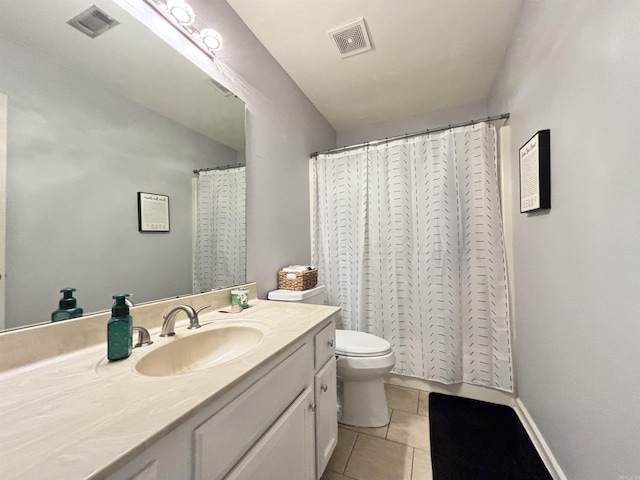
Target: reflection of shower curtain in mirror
x,y
220,246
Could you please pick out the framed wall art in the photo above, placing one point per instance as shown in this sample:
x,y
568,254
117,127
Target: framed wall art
x,y
153,212
535,173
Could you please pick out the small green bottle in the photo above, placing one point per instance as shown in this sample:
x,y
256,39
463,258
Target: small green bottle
x,y
67,306
119,330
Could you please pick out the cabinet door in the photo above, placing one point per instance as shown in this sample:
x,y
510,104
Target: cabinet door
x,y
225,438
326,396
287,450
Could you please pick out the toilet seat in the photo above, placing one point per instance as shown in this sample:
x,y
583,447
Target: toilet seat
x,y
360,344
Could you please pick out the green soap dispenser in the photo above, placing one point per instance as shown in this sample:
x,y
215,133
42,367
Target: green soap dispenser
x,y
119,330
67,306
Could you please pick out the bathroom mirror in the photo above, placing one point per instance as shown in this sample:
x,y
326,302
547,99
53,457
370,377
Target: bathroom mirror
x,y
90,123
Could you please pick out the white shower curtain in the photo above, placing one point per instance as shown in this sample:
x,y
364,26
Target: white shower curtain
x,y
220,244
407,237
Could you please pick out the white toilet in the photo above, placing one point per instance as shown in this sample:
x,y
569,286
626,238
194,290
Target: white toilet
x,y
363,359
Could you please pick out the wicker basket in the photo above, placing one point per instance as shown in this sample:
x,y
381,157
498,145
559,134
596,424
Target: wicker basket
x,y
297,280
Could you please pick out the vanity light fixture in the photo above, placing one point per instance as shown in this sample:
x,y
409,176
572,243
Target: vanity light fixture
x,y
181,12
211,39
182,16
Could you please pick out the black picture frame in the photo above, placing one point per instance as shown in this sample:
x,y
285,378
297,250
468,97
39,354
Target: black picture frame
x,y
535,173
153,213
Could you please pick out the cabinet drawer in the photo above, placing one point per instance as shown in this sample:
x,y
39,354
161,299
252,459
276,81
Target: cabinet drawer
x,y
222,440
325,341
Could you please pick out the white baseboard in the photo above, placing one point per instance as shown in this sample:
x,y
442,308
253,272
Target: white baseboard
x,y
538,441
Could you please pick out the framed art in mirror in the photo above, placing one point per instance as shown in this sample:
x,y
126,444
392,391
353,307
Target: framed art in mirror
x,y
153,213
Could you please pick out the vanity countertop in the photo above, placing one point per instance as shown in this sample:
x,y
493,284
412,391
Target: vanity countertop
x,y
77,416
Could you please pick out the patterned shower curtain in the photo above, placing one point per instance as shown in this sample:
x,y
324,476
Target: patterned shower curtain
x,y
407,237
220,244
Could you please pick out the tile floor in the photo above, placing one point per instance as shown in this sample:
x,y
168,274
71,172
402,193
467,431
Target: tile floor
x,y
399,451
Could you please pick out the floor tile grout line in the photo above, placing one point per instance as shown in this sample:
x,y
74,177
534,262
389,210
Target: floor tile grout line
x,y
407,411
351,453
394,442
413,459
408,446
352,428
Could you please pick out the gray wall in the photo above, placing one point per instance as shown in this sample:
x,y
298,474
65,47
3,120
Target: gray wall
x,y
415,123
283,128
574,67
77,156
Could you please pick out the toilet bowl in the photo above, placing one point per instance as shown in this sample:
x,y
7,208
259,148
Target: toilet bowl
x,y
362,361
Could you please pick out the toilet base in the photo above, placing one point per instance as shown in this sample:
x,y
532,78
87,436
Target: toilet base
x,y
364,403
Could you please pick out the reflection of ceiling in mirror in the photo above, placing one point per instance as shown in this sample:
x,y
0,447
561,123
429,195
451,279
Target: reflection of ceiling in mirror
x,y
160,75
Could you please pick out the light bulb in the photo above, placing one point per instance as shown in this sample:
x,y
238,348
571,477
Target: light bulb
x,y
182,12
211,39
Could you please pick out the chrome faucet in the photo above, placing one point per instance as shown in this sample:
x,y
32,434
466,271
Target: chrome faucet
x,y
143,337
168,326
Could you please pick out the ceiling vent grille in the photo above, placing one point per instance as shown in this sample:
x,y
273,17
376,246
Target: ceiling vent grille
x,y
352,39
93,22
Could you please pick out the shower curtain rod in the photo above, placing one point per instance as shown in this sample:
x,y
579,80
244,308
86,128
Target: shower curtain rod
x,y
415,134
224,167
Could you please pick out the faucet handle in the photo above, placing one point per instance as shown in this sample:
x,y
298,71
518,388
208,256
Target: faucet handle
x,y
202,308
195,322
144,338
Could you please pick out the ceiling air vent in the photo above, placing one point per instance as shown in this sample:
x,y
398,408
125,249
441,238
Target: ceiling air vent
x,y
352,39
93,22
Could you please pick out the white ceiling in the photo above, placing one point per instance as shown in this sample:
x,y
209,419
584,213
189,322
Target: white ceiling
x,y
427,55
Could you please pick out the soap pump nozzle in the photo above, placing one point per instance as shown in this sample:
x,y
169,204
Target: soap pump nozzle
x,y
67,307
67,301
127,300
120,306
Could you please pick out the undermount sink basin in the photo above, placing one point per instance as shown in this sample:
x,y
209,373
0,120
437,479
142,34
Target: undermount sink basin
x,y
200,351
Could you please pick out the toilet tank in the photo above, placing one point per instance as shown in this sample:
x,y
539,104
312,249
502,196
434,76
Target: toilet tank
x,y
316,295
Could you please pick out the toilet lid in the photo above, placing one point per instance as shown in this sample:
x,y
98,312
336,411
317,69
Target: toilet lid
x,y
360,344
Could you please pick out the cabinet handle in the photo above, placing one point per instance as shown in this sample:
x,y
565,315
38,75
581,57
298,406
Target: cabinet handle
x,y
324,387
312,406
330,343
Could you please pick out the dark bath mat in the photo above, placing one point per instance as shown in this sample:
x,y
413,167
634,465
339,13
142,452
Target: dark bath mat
x,y
474,440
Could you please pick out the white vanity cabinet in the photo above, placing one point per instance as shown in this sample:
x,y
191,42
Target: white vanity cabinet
x,y
299,445
272,403
278,424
